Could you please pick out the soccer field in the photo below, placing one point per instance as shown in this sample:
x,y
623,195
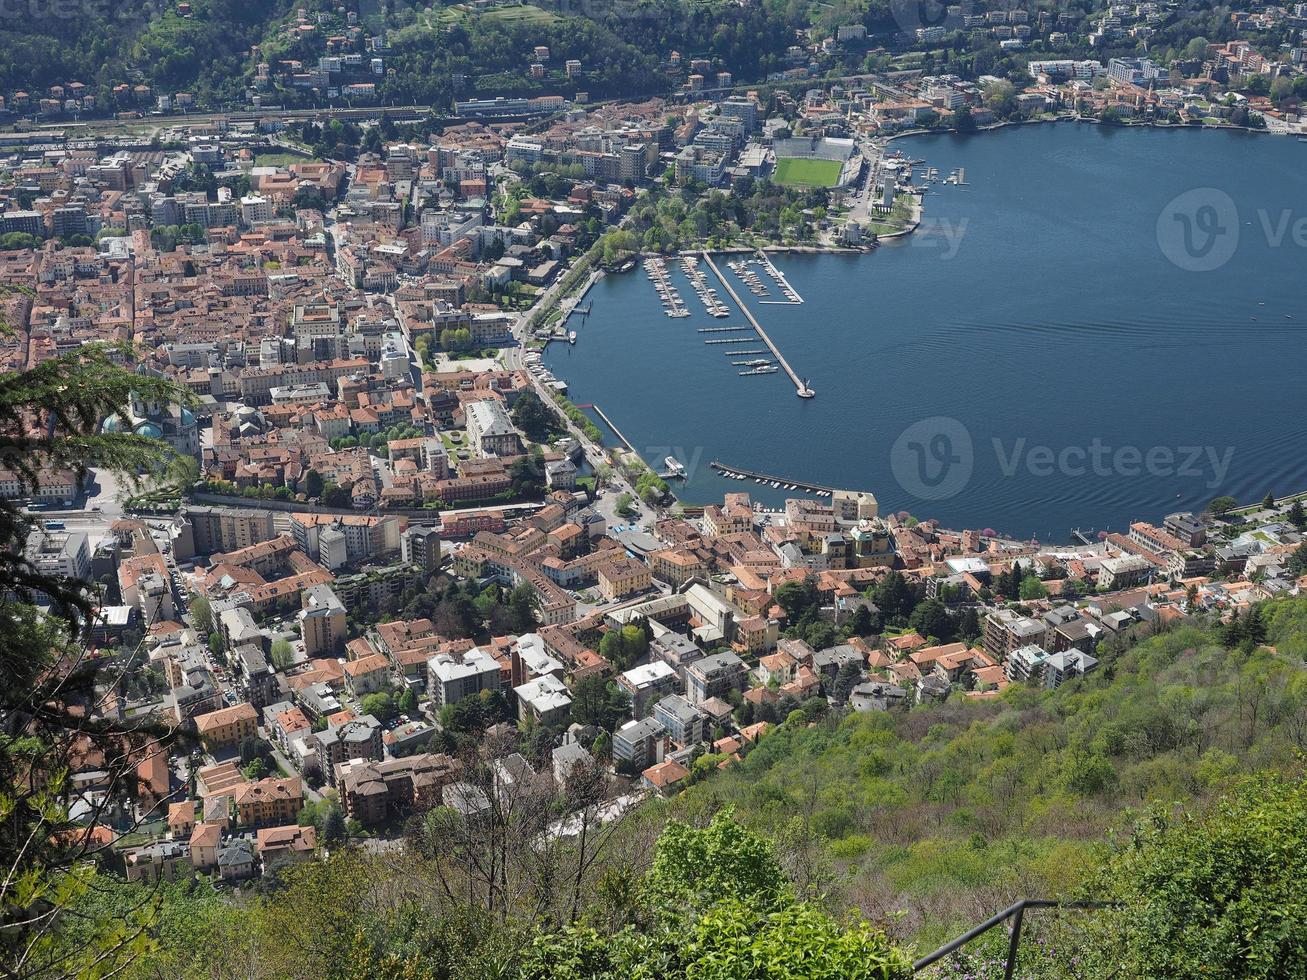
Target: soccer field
x,y
801,170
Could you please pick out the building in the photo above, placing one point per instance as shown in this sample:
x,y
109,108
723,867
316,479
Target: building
x,y
639,744
648,683
322,621
545,700
1067,665
420,545
449,680
1123,572
1005,631
358,738
374,792
269,801
289,843
227,726
623,577
165,860
715,677
490,431
685,724
225,529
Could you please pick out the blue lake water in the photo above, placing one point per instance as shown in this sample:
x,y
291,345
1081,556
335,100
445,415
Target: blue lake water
x,y
1102,325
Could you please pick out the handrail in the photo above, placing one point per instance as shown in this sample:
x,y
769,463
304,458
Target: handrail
x,y
1017,912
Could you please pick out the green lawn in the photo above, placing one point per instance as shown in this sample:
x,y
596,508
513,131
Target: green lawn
x,y
813,173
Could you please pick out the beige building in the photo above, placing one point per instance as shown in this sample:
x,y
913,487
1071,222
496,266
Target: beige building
x,y
227,726
623,577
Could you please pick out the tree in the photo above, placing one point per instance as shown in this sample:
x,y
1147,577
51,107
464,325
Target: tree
x,y
931,619
408,702
313,484
846,679
599,702
49,682
1032,588
623,505
201,615
379,704
281,654
537,422
962,120
1296,515
1222,505
1268,502
1195,890
333,829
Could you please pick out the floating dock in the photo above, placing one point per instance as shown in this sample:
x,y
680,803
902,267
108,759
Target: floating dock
x,y
737,472
722,329
800,384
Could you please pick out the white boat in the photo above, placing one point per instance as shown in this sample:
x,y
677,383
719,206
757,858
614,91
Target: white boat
x,y
674,467
571,336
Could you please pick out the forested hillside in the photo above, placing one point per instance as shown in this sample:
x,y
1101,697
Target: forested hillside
x,y
934,818
103,44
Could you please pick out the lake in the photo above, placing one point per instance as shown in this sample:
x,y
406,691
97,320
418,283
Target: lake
x,y
1102,325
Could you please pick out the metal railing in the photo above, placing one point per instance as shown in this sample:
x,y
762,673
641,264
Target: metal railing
x,y
1015,912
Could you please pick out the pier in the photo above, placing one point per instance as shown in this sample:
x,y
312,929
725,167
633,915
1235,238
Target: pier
x,y
609,422
800,385
736,472
721,330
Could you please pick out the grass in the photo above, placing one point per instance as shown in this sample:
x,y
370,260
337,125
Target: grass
x,y
791,171
281,159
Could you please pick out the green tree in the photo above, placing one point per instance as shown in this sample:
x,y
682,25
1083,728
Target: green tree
x,y
408,702
537,422
313,484
201,615
379,704
1222,505
1216,893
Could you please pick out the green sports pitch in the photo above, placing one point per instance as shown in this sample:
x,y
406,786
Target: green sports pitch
x,y
806,171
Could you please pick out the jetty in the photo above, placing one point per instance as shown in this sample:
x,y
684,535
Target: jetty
x,y
728,340
792,297
780,482
609,422
744,353
800,385
721,329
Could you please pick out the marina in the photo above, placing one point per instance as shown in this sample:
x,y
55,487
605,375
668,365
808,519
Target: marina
x,y
801,387
706,293
668,295
767,479
864,313
792,297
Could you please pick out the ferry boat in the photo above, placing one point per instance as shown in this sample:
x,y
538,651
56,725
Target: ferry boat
x,y
674,468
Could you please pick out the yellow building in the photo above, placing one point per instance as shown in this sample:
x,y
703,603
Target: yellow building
x,y
623,577
227,726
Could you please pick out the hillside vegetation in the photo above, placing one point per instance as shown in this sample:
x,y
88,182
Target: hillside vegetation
x,y
934,818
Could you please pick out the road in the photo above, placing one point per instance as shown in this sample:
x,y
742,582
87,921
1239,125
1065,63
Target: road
x,y
513,358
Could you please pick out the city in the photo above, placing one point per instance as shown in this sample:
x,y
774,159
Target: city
x,y
379,586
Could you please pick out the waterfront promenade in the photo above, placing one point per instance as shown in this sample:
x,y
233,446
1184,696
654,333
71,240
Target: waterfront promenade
x,y
800,386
